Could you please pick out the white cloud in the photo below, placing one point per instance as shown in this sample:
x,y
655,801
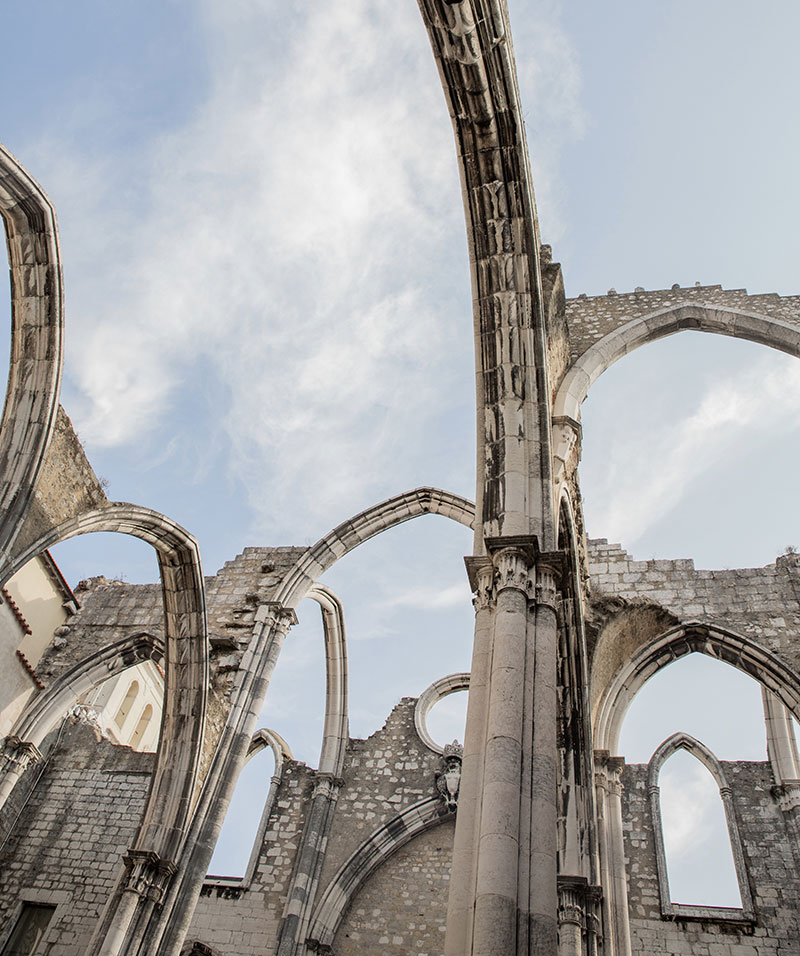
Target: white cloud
x,y
432,598
295,237
650,471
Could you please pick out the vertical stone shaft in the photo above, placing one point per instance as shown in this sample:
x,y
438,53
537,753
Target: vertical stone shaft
x,y
544,768
612,853
495,926
462,880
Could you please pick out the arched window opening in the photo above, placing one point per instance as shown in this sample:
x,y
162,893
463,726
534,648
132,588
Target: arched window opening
x,y
249,805
447,718
128,702
697,846
667,474
142,727
409,614
719,704
699,855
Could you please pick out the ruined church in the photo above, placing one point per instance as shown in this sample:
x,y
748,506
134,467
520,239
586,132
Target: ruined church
x,y
533,837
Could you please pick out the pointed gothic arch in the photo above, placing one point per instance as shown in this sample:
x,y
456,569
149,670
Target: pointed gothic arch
x,y
683,741
618,689
37,328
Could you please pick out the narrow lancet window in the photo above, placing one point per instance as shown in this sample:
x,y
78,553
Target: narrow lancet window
x,y
697,846
701,867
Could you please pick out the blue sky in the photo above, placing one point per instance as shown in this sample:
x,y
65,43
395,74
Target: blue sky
x,y
268,314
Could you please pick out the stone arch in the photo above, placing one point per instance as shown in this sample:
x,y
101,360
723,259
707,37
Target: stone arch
x,y
162,830
619,689
683,741
360,528
37,328
45,711
762,329
374,851
429,698
336,728
261,740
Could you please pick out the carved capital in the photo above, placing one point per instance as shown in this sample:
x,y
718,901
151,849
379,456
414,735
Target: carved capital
x,y
326,785
18,755
481,579
513,570
578,903
787,795
276,616
147,874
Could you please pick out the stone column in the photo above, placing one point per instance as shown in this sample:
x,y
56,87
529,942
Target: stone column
x,y
272,624
462,879
504,867
608,781
15,758
308,865
578,925
147,878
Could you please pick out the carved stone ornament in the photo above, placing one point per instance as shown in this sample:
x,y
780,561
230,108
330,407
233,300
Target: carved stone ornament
x,y
19,754
578,903
448,778
148,875
513,568
787,794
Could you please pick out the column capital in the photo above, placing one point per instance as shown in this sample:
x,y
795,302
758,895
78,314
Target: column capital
x,y
19,754
787,794
326,784
276,615
578,900
147,874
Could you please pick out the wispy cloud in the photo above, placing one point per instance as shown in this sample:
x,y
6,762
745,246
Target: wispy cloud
x,y
649,472
294,237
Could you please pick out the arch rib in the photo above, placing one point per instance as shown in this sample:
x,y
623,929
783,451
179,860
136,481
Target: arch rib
x,y
590,366
372,853
717,642
186,661
360,528
37,329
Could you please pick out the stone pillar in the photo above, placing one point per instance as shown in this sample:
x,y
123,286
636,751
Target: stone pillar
x,y
308,865
616,919
147,878
15,758
504,864
167,934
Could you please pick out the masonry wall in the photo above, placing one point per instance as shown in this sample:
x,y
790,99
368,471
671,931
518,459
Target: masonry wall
x,y
70,835
402,908
770,850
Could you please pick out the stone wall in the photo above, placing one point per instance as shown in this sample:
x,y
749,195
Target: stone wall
x,y
71,833
770,856
402,908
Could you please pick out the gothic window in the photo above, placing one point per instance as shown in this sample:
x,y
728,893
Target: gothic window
x,y
666,832
141,726
127,703
29,930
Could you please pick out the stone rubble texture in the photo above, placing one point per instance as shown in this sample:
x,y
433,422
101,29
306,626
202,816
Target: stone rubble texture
x,y
555,846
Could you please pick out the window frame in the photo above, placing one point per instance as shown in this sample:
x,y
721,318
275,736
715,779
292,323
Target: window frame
x,y
669,909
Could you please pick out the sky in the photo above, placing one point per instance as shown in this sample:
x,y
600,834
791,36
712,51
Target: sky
x,y
268,297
